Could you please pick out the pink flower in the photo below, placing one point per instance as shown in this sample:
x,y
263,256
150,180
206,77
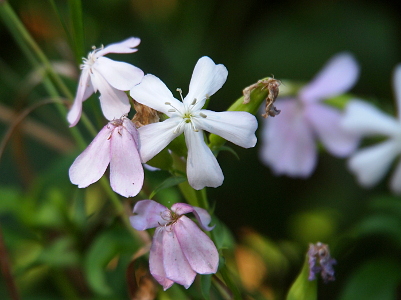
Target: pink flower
x,y
289,140
110,77
179,248
117,144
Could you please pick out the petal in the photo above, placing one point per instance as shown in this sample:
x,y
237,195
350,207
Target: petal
x,y
337,76
395,183
326,122
175,264
363,118
237,127
147,214
156,136
371,164
91,164
288,145
197,247
397,88
201,214
126,171
119,75
129,125
207,79
202,167
85,89
126,46
156,266
114,103
154,93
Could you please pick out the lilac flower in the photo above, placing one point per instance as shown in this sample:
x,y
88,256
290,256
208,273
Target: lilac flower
x,y
189,118
179,248
321,262
117,144
289,140
110,77
371,163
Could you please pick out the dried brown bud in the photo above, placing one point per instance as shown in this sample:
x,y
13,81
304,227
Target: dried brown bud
x,y
144,115
273,86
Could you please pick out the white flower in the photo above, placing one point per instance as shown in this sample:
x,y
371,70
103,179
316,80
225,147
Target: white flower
x,y
189,117
289,140
371,163
110,78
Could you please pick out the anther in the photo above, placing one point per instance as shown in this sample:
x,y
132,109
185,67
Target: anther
x,y
202,115
194,102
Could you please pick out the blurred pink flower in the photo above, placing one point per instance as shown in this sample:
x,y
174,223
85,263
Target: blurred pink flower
x,y
289,140
116,144
371,163
110,77
179,248
189,118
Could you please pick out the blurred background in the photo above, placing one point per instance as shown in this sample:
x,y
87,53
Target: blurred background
x,y
43,219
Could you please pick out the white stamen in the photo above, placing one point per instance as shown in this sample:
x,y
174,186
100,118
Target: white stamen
x,y
203,115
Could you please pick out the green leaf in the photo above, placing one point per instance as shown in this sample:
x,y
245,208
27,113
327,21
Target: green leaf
x,y
206,281
229,149
169,182
376,279
303,288
77,29
225,273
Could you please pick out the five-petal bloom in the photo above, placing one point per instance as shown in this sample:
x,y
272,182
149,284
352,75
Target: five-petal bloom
x,y
189,117
288,141
110,78
179,248
370,164
117,144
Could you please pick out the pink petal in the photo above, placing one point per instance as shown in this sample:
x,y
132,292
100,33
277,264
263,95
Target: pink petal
x,y
126,171
147,214
237,127
126,46
154,93
85,89
202,167
201,214
156,266
175,264
197,247
207,79
395,183
114,103
91,164
337,77
326,122
397,88
372,163
120,75
288,145
156,136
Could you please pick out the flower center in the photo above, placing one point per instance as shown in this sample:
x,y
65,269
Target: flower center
x,y
170,217
91,59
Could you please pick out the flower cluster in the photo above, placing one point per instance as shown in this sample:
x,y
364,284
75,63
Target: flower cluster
x,y
321,262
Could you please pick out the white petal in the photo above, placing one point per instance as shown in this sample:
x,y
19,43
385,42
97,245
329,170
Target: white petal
x,y
156,136
337,76
85,89
156,266
202,167
91,164
126,46
288,144
175,264
363,118
126,171
371,164
114,103
326,122
154,93
397,88
207,79
119,75
237,127
395,183
198,248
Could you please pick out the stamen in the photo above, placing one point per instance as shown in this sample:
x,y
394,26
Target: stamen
x,y
202,115
93,47
171,110
194,102
180,91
